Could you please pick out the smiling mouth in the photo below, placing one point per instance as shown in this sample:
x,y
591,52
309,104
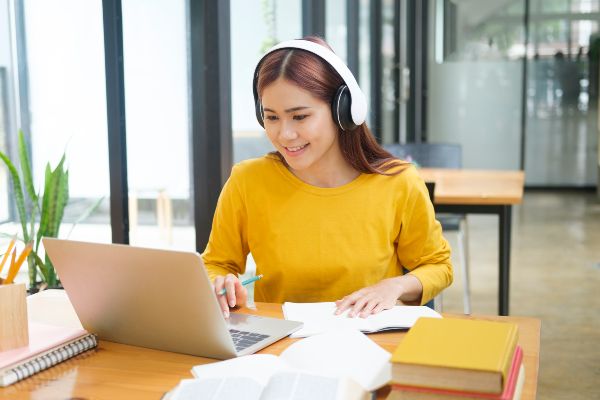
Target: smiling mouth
x,y
297,148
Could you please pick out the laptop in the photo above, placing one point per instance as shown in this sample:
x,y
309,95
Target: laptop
x,y
160,299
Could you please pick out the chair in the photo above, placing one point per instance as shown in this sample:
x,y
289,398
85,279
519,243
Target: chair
x,y
442,155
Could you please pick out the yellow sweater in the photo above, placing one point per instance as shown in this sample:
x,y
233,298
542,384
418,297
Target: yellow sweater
x,y
319,244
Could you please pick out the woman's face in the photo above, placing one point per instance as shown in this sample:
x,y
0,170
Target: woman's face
x,y
301,127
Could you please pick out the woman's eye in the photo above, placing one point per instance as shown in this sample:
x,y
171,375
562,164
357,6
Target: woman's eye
x,y
300,117
271,118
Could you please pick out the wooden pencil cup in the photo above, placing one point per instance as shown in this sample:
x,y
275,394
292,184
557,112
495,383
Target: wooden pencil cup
x,y
14,328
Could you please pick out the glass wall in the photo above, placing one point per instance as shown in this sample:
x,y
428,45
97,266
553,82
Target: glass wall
x,y
65,52
6,112
364,53
476,84
562,93
475,79
335,27
158,127
256,25
389,89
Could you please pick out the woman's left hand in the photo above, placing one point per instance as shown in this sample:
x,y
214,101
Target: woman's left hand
x,y
371,299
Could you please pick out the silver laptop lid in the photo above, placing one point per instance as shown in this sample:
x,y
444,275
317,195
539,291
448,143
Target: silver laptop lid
x,y
160,299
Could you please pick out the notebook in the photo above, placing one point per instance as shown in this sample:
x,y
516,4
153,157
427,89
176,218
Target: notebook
x,y
320,317
456,354
340,365
48,346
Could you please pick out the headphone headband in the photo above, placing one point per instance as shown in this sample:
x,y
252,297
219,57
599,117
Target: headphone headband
x,y
358,106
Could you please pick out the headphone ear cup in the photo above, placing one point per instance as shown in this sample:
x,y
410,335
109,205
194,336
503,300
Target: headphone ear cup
x,y
260,116
340,109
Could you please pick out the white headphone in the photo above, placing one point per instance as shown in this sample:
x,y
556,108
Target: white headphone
x,y
349,105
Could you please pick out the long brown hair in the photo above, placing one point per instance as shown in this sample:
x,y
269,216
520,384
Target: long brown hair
x,y
308,71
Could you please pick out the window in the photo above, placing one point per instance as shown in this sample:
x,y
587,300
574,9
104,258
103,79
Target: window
x,y
256,25
65,53
158,127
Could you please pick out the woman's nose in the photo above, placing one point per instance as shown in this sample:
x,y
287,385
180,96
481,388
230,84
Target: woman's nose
x,y
288,131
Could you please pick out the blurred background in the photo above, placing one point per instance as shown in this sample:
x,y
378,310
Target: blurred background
x,y
513,82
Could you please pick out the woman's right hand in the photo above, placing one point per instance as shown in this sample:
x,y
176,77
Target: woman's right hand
x,y
236,294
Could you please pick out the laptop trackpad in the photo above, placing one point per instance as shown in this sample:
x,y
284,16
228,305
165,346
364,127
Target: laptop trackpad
x,y
245,322
264,325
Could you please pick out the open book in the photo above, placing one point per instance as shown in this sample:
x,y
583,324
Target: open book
x,y
336,365
320,317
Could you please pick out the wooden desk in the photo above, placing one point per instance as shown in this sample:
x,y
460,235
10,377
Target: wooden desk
x,y
117,371
463,191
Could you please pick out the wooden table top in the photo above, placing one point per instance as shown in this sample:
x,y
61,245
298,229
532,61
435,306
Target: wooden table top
x,y
117,371
482,187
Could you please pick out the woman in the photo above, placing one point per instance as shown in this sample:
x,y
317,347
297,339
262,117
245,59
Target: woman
x,y
330,215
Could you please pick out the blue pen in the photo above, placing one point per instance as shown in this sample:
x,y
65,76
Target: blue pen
x,y
246,282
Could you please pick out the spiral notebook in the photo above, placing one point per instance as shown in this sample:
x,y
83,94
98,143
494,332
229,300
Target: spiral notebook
x,y
48,346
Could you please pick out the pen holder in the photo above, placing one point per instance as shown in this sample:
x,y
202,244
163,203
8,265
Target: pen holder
x,y
14,328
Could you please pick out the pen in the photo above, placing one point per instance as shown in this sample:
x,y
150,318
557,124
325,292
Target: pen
x,y
246,282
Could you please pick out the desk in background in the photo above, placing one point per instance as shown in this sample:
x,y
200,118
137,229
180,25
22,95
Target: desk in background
x,y
118,371
463,191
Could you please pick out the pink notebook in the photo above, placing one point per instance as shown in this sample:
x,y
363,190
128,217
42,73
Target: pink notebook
x,y
42,337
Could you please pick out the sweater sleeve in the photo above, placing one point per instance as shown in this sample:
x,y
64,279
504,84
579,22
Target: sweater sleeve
x,y
421,247
227,246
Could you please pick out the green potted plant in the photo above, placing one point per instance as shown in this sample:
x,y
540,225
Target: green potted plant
x,y
40,213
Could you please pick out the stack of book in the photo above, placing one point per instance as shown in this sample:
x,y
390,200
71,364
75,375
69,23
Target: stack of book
x,y
48,346
453,358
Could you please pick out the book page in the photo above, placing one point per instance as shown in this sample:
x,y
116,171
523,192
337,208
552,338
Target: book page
x,y
300,386
341,353
259,367
320,317
307,386
231,388
402,317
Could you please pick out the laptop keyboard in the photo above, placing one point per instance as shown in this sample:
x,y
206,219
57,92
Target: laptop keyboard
x,y
243,339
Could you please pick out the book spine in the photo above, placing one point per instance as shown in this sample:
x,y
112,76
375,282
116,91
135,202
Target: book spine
x,y
47,360
509,353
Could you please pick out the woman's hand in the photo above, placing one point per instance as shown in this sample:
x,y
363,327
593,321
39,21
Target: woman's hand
x,y
381,296
236,294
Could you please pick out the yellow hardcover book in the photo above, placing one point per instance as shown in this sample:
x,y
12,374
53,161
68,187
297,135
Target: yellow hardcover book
x,y
456,354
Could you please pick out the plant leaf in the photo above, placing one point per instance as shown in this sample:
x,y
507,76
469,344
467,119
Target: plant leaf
x,y
19,196
42,267
10,235
45,211
84,215
62,198
58,198
26,169
51,281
